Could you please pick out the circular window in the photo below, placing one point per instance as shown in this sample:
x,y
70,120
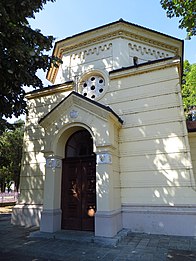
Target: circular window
x,y
93,87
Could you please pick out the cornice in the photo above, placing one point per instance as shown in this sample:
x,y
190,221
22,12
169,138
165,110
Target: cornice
x,y
69,86
64,48
146,67
122,30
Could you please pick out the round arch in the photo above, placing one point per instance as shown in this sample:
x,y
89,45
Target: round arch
x,y
79,144
64,134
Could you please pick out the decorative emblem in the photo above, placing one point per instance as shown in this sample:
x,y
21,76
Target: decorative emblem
x,y
104,158
73,114
53,163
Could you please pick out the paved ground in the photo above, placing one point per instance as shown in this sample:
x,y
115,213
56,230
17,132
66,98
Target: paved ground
x,y
15,244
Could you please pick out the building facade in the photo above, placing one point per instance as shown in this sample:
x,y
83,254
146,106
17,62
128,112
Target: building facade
x,y
106,147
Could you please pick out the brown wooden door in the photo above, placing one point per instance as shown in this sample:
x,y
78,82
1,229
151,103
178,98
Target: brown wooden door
x,y
78,201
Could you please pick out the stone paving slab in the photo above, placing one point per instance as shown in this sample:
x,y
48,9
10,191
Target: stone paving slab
x,y
15,244
181,255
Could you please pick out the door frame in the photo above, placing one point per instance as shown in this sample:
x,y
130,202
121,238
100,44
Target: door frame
x,y
80,163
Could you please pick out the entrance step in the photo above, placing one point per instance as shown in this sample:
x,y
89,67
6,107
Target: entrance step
x,y
82,237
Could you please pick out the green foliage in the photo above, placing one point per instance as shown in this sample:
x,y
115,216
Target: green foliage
x,y
11,141
189,86
23,52
185,9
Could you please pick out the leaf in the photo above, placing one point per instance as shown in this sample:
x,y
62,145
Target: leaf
x,y
22,52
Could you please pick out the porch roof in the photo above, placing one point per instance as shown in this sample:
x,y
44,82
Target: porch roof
x,y
73,93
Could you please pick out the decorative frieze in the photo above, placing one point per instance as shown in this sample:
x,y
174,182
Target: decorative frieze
x,y
91,51
146,50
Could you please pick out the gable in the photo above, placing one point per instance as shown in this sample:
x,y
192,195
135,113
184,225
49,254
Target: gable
x,y
76,110
69,109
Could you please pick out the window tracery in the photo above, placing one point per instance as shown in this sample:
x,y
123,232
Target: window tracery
x,y
93,86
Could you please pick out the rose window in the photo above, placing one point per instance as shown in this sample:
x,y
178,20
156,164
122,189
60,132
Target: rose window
x,y
93,87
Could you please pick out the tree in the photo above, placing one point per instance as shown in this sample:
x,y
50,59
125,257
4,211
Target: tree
x,y
189,87
11,154
23,52
186,9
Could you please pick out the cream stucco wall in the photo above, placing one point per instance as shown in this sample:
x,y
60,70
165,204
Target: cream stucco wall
x,y
33,161
151,157
155,158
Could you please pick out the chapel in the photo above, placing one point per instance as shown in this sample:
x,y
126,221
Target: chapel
x,y
106,145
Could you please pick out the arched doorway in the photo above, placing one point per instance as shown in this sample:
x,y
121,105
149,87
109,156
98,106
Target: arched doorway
x,y
78,194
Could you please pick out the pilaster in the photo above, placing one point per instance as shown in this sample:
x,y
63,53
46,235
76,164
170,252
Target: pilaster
x,y
108,216
51,215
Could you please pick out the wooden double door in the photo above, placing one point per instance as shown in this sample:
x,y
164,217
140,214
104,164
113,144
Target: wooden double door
x,y
78,202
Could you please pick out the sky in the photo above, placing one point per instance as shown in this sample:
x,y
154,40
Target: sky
x,y
65,18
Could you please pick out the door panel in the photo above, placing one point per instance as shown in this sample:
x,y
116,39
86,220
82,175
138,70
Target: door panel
x,y
88,194
71,199
78,201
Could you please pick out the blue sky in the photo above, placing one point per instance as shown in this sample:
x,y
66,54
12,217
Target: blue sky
x,y
65,18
